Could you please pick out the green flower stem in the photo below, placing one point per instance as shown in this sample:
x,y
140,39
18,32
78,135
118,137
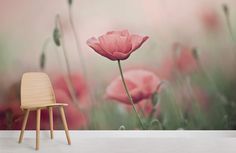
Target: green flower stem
x,y
208,76
79,51
78,48
45,44
69,86
151,114
212,82
170,90
227,17
67,79
129,96
63,45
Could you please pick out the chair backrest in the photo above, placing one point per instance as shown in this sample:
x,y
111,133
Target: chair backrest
x,y
36,89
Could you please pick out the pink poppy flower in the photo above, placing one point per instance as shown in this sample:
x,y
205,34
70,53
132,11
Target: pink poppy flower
x,y
10,115
13,117
116,45
141,84
185,61
17,114
182,61
79,85
210,19
75,119
77,81
166,69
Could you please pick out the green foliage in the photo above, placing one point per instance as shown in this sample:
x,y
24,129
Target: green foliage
x,y
172,118
220,113
109,116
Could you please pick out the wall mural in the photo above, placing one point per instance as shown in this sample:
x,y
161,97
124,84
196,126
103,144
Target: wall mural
x,y
122,65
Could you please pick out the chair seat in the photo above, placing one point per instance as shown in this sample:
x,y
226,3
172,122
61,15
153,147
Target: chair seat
x,y
43,105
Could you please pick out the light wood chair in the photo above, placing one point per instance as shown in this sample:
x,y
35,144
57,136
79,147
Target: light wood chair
x,y
36,94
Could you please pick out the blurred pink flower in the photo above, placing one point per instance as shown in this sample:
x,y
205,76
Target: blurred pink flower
x,y
185,60
75,118
141,84
116,45
79,85
17,113
182,60
11,117
210,18
10,114
166,69
77,81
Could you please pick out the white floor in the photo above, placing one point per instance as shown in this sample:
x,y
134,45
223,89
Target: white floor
x,y
123,142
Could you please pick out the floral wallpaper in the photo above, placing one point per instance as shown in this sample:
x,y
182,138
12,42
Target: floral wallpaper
x,y
122,65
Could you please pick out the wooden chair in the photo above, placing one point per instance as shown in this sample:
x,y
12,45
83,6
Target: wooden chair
x,y
36,94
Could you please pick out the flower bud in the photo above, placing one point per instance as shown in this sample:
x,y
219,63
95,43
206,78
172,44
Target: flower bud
x,y
56,36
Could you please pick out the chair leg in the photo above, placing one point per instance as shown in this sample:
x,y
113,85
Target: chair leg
x,y
65,124
51,121
38,128
26,115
